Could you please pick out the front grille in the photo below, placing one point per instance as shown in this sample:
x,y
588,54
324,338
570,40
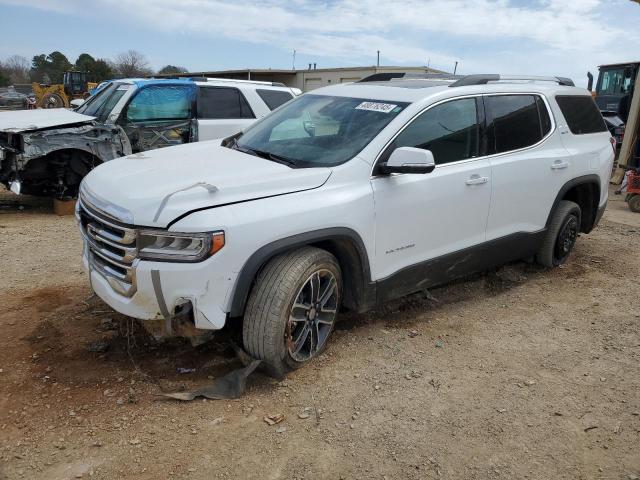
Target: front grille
x,y
112,247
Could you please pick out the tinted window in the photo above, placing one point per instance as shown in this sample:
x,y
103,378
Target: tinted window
x,y
274,98
222,102
449,130
516,122
582,114
160,102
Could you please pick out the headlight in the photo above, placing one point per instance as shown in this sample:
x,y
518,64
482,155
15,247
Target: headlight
x,y
178,247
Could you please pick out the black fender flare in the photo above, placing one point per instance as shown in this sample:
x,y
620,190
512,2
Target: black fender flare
x,y
244,281
574,182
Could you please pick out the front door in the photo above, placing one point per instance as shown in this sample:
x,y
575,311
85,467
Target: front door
x,y
159,116
424,219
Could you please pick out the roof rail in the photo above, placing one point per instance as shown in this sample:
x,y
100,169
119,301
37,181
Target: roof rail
x,y
482,79
234,80
387,76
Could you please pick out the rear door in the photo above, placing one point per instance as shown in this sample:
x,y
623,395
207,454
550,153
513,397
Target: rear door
x,y
529,164
221,112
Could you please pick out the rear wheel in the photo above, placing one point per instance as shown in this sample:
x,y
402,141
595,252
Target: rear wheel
x,y
561,235
292,309
634,203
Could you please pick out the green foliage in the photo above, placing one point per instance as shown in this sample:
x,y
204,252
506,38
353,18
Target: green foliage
x,y
85,63
4,80
171,70
102,70
49,68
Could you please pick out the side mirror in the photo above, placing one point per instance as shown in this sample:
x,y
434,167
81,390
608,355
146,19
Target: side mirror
x,y
589,81
76,102
409,160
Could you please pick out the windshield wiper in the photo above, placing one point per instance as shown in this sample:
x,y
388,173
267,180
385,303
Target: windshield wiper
x,y
262,154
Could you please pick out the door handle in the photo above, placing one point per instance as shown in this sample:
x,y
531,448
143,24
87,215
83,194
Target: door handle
x,y
559,165
476,180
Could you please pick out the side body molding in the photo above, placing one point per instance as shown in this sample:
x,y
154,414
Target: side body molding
x,y
345,243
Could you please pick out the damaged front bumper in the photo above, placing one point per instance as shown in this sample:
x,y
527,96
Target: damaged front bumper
x,y
149,290
164,290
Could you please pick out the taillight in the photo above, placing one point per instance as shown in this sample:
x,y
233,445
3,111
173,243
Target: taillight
x,y
614,144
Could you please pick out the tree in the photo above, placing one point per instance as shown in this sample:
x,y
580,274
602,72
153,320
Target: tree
x,y
85,63
102,70
171,70
52,66
17,69
4,78
132,64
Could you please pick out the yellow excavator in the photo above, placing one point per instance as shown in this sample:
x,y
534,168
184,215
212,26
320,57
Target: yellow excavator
x,y
74,85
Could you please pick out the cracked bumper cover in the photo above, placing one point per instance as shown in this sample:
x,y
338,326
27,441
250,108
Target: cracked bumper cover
x,y
163,286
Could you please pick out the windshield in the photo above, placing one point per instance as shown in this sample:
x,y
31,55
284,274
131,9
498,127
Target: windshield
x,y
101,104
318,130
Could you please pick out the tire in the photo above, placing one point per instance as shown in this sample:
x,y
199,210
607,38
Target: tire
x,y
52,100
284,306
561,235
634,203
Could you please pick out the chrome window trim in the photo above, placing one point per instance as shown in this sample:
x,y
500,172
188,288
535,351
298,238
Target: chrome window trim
x,y
484,157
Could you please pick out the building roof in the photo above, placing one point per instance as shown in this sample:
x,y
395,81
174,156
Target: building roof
x,y
277,71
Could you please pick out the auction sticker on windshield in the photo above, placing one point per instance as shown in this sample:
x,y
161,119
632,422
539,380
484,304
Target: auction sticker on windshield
x,y
376,107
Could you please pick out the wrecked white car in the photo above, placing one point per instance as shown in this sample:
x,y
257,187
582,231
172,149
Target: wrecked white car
x,y
48,152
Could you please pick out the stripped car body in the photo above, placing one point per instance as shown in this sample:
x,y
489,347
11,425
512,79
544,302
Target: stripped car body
x,y
47,152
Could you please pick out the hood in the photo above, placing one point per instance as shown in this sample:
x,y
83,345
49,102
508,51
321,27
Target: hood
x,y
153,188
24,120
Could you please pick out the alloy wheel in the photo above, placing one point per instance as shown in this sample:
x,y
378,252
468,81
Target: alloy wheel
x,y
312,315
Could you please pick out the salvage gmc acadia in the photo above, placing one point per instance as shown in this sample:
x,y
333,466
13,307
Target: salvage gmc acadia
x,y
347,196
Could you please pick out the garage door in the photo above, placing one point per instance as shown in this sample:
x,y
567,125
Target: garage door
x,y
311,83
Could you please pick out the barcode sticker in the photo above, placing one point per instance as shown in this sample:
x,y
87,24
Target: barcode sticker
x,y
376,107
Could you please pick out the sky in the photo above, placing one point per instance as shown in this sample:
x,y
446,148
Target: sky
x,y
537,37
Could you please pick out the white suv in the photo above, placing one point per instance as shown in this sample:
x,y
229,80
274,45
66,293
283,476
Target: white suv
x,y
47,152
348,196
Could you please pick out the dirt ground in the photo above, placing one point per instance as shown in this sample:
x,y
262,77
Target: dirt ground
x,y
517,373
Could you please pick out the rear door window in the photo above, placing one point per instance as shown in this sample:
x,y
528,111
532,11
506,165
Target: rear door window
x,y
217,103
515,123
274,98
581,113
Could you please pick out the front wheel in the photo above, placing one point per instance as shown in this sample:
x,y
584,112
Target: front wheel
x,y
561,235
634,203
292,309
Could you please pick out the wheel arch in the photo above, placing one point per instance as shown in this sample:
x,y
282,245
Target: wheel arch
x,y
344,243
57,167
585,191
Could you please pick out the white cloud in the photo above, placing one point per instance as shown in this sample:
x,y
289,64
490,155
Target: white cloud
x,y
548,32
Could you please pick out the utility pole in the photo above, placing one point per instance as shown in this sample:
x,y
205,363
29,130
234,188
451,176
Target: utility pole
x,y
455,68
378,63
293,64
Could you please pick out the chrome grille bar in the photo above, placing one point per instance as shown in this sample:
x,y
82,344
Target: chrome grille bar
x,y
112,247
